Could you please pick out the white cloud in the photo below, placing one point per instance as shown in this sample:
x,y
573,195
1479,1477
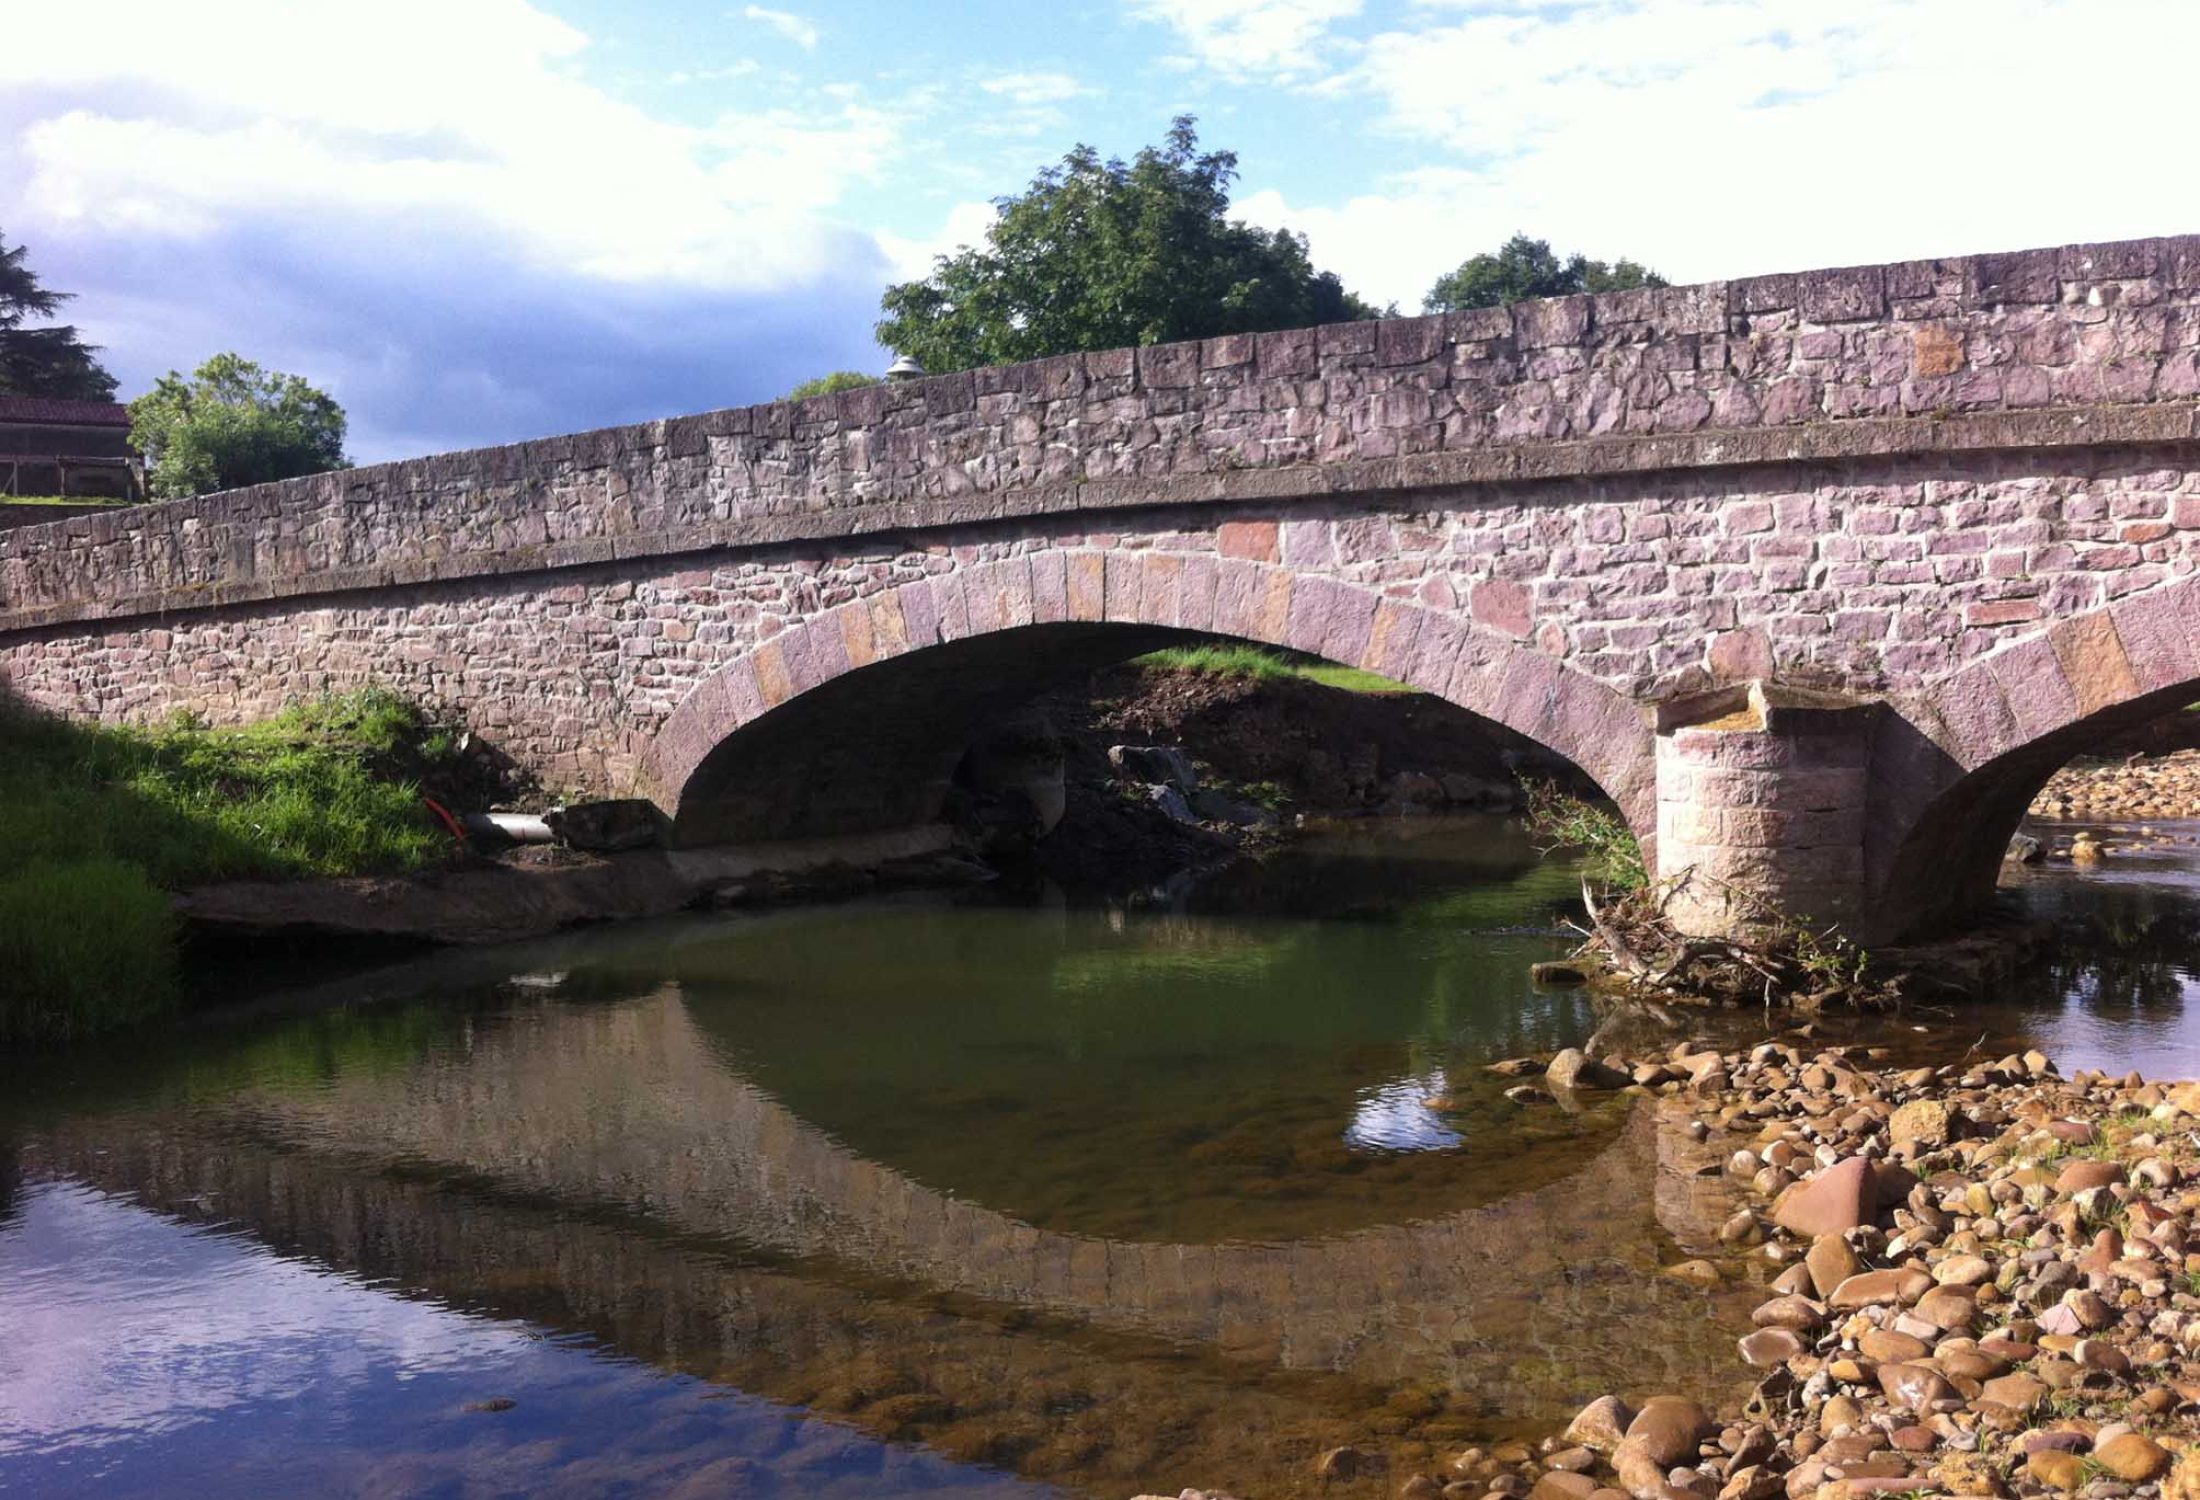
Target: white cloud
x,y
1247,38
1035,88
565,256
1714,137
163,1326
966,226
743,68
796,29
486,124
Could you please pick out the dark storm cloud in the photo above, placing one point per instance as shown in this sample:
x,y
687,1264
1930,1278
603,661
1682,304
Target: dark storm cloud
x,y
435,339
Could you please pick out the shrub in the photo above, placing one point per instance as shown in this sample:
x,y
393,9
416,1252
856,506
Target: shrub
x,y
86,946
833,384
1560,820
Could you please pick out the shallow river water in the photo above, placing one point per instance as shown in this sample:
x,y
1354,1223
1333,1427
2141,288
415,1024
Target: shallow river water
x,y
911,1197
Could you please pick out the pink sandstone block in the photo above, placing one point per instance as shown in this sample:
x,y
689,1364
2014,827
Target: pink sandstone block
x,y
1124,581
2160,630
1977,723
1196,596
1735,749
952,605
920,613
1087,586
1161,593
1271,608
1391,639
2040,698
773,684
1049,588
2091,657
1441,649
1237,587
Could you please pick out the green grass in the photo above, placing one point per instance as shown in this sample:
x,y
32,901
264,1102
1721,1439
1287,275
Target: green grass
x,y
87,946
1222,660
63,500
324,788
92,818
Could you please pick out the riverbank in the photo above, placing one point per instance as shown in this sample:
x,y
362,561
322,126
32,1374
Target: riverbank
x,y
1977,1280
2135,788
101,825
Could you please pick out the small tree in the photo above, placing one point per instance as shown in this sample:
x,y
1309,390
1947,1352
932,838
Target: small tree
x,y
1103,254
1523,268
827,385
42,361
233,424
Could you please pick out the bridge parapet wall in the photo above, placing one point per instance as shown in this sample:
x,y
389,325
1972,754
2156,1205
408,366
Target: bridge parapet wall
x,y
2086,345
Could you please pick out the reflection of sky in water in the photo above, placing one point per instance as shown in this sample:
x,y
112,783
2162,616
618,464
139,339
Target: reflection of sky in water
x,y
1394,1117
141,1357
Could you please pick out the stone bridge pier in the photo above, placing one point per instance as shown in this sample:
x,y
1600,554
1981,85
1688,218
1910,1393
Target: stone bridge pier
x,y
1763,812
1818,576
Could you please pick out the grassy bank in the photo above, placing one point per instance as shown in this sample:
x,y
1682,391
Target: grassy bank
x,y
97,824
1227,660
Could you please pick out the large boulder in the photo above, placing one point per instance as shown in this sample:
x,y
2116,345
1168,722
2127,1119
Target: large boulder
x,y
1840,1198
1602,1423
1669,1428
1163,765
1830,1262
1575,1069
1928,1122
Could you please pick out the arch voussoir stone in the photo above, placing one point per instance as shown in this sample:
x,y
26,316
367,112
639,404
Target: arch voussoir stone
x,y
2058,680
1267,603
1971,749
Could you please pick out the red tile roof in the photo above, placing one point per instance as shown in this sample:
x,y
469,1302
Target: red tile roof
x,y
67,413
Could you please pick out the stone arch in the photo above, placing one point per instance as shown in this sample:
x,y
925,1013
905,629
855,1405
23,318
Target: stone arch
x,y
1961,759
995,632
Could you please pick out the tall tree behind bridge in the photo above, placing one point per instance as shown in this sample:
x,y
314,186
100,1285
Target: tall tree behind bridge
x,y
1105,254
53,361
232,423
1523,268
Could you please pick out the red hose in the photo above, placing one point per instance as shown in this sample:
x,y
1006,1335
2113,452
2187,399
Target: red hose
x,y
444,814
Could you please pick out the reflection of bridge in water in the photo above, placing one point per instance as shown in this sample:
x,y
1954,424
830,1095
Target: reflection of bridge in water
x,y
600,1167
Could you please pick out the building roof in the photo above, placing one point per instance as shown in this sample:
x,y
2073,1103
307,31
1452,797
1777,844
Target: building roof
x,y
64,413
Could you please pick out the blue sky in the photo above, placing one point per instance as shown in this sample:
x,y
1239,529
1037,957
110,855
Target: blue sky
x,y
480,220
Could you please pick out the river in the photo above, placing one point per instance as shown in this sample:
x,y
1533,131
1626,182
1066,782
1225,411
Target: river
x,y
926,1196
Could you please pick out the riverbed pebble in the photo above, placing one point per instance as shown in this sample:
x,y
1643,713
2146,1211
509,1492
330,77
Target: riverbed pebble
x,y
1979,1280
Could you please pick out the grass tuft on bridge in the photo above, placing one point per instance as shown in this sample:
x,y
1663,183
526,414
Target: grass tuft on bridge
x,y
98,823
1226,659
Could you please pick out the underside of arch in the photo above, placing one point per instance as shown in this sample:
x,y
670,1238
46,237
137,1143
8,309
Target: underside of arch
x,y
855,717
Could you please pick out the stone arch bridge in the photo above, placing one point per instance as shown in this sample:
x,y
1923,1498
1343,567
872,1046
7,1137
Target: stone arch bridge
x,y
1817,575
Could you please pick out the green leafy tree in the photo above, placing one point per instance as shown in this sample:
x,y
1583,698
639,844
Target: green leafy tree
x,y
42,361
827,385
232,423
1523,268
1103,254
